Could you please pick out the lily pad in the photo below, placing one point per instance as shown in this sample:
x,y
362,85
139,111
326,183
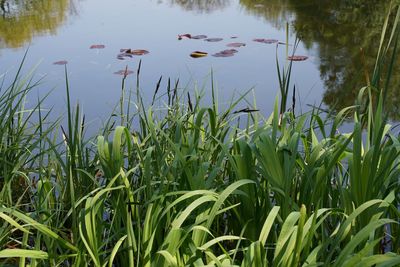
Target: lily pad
x,y
97,46
125,72
213,39
226,53
125,53
197,54
139,52
123,56
265,41
61,62
186,35
136,52
297,58
236,44
197,37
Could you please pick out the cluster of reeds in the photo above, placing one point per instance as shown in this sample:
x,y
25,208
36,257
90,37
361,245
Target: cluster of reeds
x,y
192,186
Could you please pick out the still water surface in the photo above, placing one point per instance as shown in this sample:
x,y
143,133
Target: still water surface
x,y
331,32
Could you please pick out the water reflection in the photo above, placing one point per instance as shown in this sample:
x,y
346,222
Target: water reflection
x,y
337,30
202,6
21,20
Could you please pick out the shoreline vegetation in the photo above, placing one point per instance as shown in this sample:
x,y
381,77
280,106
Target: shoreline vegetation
x,y
195,186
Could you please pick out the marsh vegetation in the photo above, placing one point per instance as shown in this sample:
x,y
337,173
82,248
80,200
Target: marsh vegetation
x,y
191,184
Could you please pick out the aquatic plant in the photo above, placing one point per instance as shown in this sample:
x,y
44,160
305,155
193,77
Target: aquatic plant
x,y
183,184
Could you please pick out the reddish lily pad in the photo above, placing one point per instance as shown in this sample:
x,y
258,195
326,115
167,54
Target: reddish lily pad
x,y
265,41
97,46
197,54
61,62
236,44
135,52
213,39
226,53
297,58
232,51
186,35
125,72
139,52
197,37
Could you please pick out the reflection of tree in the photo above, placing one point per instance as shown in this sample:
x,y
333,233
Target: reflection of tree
x,y
4,7
23,19
338,30
275,11
201,6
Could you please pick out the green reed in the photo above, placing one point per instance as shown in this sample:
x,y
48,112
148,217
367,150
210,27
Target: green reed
x,y
187,185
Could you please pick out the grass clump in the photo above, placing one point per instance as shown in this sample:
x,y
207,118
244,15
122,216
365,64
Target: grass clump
x,y
191,186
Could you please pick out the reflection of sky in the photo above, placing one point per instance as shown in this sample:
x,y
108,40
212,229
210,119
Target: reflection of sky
x,y
154,26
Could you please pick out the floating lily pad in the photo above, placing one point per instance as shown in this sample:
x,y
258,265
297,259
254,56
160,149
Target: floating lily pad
x,y
213,39
139,52
125,53
199,37
135,52
236,44
197,54
233,51
297,58
124,72
265,41
97,46
186,35
226,53
123,56
61,62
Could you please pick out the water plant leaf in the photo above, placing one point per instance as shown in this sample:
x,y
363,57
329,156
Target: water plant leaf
x,y
124,72
197,37
265,41
213,40
61,62
97,46
197,54
186,35
135,52
236,44
226,53
139,52
297,58
123,56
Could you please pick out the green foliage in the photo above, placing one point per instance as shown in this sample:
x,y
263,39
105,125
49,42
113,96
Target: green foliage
x,y
192,186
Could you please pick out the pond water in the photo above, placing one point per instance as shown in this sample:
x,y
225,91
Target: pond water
x,y
332,32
